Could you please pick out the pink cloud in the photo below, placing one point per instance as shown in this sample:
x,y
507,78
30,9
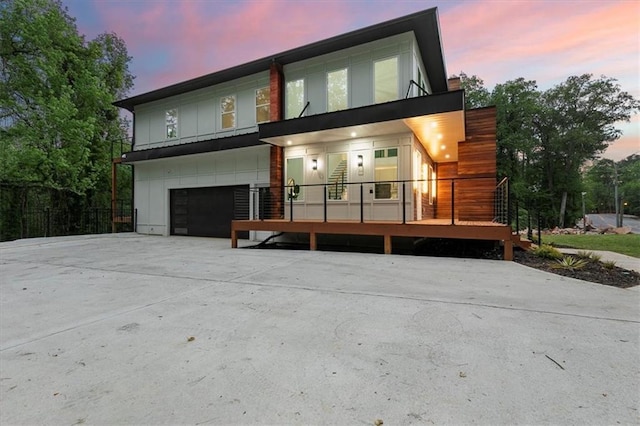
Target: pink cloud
x,y
197,38
545,41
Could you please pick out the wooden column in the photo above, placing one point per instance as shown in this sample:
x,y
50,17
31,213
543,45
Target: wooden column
x,y
276,155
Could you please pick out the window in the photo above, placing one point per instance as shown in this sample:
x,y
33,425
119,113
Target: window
x,y
337,90
385,74
386,172
171,123
294,98
337,176
228,111
263,107
295,178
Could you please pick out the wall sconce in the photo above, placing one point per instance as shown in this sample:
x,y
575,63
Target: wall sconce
x,y
360,161
314,164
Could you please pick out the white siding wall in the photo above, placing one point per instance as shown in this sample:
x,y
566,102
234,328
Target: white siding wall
x,y
312,205
359,62
154,179
199,114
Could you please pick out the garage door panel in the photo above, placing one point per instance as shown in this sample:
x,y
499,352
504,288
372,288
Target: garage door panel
x,y
208,212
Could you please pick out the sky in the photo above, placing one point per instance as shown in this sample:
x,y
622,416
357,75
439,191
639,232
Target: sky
x,y
497,40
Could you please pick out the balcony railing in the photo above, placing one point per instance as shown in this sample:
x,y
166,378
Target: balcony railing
x,y
455,199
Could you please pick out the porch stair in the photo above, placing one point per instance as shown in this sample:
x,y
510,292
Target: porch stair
x,y
521,242
336,184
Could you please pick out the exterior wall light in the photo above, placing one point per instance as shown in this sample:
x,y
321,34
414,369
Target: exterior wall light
x,y
360,161
314,164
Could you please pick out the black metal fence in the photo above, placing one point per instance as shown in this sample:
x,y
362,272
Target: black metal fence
x,y
52,222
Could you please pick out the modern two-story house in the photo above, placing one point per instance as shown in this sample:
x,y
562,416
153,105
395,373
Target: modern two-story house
x,y
360,129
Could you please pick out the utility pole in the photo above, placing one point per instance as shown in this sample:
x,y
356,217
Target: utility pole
x,y
584,214
615,195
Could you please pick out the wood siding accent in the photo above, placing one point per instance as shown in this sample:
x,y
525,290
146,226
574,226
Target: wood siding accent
x,y
276,90
276,180
475,171
444,172
276,153
477,155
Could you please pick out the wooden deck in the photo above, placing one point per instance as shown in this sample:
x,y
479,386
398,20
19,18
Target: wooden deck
x,y
430,228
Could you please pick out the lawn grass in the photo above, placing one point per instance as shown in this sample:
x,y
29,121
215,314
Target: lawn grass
x,y
625,244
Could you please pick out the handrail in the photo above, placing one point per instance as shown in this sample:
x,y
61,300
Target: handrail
x,y
411,82
304,109
281,207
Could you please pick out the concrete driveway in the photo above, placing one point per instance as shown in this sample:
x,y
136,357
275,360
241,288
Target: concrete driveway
x,y
129,329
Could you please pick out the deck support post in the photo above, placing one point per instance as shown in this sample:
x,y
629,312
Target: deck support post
x,y
387,244
313,241
508,249
234,238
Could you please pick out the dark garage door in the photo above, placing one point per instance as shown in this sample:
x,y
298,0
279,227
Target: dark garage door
x,y
208,212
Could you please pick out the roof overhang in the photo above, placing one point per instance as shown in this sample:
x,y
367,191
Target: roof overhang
x,y
211,145
424,25
436,120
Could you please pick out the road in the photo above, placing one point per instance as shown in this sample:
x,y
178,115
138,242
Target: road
x,y
609,219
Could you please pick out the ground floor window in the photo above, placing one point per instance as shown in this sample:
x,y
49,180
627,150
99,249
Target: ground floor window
x,y
385,171
337,176
295,178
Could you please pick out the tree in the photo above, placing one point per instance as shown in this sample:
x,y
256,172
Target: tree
x,y
475,94
57,121
577,122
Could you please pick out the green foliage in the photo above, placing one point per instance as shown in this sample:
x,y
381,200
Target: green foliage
x,y
547,252
600,181
609,264
625,244
57,121
545,138
570,262
476,95
588,255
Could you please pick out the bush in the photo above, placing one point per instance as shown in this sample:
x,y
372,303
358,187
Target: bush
x,y
588,255
547,252
570,262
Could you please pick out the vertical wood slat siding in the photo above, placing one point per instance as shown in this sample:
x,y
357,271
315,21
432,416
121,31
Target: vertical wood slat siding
x,y
443,173
476,157
476,160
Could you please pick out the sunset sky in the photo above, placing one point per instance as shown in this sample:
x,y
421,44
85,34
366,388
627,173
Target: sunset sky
x,y
497,40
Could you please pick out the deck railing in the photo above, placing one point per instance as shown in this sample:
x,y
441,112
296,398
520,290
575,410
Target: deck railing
x,y
470,199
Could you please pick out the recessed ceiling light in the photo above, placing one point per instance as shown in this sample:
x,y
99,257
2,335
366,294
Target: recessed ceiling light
x,y
434,124
353,134
439,136
447,156
443,147
289,142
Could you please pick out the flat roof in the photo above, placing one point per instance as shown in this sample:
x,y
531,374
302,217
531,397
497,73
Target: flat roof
x,y
423,24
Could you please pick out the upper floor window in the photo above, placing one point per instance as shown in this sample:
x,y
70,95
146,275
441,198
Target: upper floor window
x,y
337,90
385,75
294,98
228,111
263,107
171,123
